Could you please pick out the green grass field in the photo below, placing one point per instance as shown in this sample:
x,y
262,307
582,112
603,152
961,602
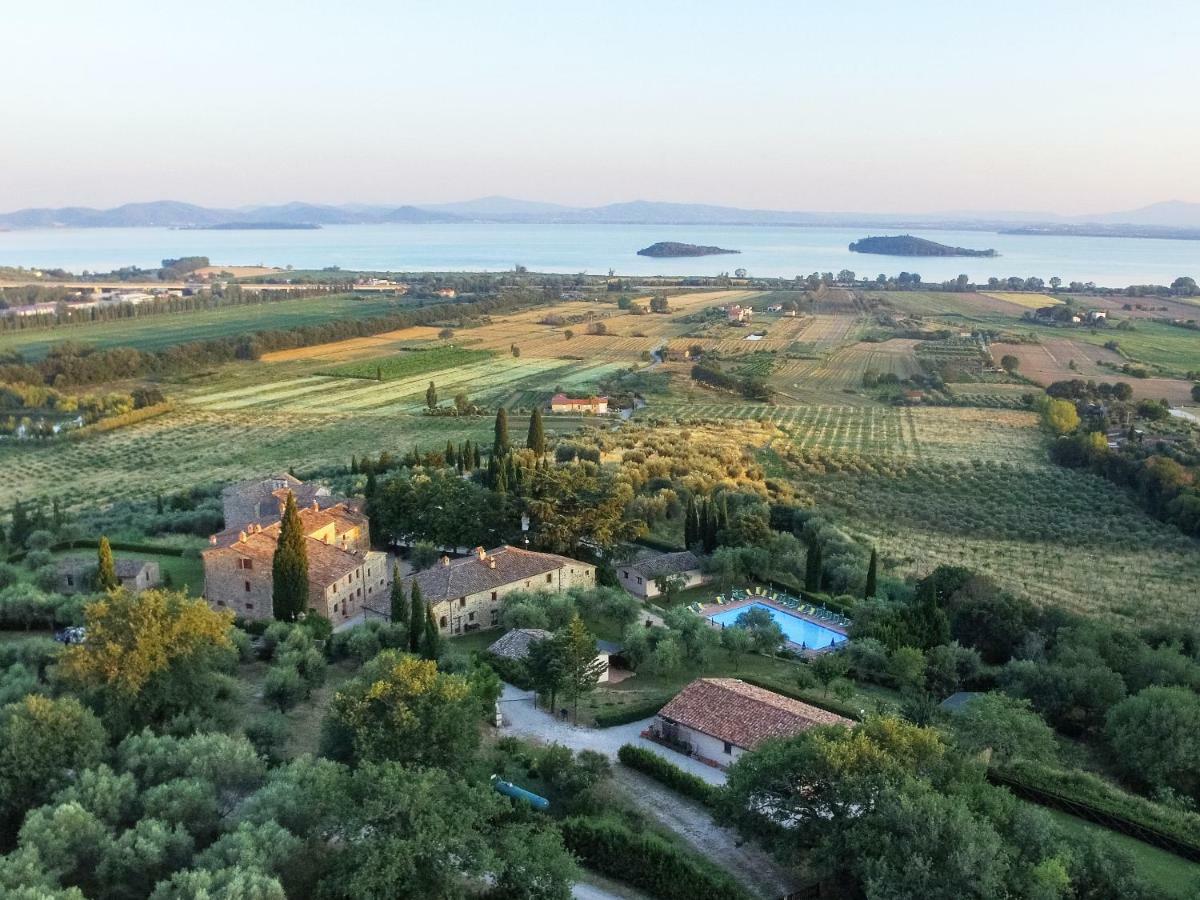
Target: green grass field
x,y
1173,875
405,365
154,332
1172,349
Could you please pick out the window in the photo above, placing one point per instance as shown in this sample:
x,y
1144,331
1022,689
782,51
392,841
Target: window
x,y
358,593
625,574
495,617
245,563
728,748
335,606
71,583
462,601
470,617
549,578
220,603
639,581
443,621
247,586
493,596
249,605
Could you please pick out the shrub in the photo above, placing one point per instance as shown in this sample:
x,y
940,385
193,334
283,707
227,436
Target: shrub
x,y
630,713
269,734
650,763
646,861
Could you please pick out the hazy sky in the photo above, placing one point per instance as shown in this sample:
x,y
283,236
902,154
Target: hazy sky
x,y
918,106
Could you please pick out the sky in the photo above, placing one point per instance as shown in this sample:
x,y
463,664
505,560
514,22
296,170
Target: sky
x,y
922,106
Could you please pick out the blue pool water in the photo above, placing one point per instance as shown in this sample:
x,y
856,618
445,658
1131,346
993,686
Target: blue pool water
x,y
795,629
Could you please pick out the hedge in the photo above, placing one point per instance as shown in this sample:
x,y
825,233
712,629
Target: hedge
x,y
646,861
114,422
830,704
630,713
1090,797
124,546
650,763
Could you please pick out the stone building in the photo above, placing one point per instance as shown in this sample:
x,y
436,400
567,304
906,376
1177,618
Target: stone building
x,y
344,574
260,501
78,574
638,578
465,593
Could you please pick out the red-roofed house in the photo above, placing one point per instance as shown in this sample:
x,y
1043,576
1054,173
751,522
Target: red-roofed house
x,y
719,719
561,403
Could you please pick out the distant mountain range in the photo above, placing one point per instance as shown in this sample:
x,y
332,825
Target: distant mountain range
x,y
1173,214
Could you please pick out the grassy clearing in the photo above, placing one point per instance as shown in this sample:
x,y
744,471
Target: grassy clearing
x,y
405,365
165,329
304,721
1168,873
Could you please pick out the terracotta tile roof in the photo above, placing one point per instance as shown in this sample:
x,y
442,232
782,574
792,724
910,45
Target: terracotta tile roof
x,y
471,575
561,399
667,564
515,644
326,562
743,715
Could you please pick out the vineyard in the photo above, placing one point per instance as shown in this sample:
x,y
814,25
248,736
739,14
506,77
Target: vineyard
x,y
843,370
154,332
1051,534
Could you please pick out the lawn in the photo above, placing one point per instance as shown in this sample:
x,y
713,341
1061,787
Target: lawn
x,y
1168,873
412,362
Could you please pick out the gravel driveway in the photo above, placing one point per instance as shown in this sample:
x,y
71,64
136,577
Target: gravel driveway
x,y
521,718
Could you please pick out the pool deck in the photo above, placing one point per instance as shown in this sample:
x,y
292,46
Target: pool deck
x,y
711,609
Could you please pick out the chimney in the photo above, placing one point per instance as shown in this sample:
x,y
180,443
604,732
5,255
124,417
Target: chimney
x,y
316,506
241,537
212,540
445,562
481,553
491,562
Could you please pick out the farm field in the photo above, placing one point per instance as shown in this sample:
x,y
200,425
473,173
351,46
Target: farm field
x,y
814,380
1021,298
1051,360
413,362
1173,350
375,345
155,332
947,303
196,447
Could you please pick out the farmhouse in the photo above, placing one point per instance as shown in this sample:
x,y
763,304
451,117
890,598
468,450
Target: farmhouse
x,y
260,501
738,314
638,578
344,574
77,574
719,719
561,403
465,593
515,645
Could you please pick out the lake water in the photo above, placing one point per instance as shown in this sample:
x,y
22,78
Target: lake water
x,y
766,251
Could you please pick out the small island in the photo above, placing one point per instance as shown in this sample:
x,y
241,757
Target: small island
x,y
907,245
667,249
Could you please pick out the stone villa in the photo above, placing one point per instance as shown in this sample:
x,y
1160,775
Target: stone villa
x,y
465,593
259,502
344,574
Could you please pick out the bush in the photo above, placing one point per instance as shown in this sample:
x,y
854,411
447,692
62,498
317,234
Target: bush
x,y
832,704
514,671
646,861
650,763
630,713
269,734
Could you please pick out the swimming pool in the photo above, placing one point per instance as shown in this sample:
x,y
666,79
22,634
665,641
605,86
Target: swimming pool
x,y
798,630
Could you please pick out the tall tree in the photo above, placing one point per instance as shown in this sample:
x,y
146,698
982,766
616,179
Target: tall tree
x,y
416,617
106,573
547,669
536,441
431,396
813,566
500,443
289,567
431,640
689,524
869,592
398,611
581,665
21,525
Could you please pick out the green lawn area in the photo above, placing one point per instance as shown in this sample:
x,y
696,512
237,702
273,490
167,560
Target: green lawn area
x,y
153,332
475,642
178,572
1170,874
411,362
1174,349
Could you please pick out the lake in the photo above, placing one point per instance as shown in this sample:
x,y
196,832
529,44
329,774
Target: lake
x,y
766,251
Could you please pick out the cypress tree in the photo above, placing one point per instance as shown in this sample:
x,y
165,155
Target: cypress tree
x,y
431,396
399,606
289,567
689,524
724,517
106,572
158,503
537,434
353,465
21,526
871,567
813,567
500,444
431,641
450,455
494,475
416,617
710,527
372,485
